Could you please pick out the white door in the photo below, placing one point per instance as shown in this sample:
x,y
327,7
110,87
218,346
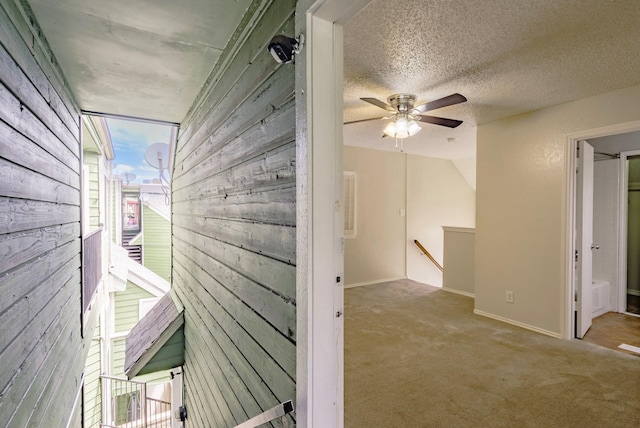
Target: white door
x,y
584,238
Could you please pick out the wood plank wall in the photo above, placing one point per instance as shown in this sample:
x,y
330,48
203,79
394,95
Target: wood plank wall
x,y
234,236
41,349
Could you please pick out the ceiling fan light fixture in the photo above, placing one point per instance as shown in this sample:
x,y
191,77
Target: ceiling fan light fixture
x,y
402,128
413,128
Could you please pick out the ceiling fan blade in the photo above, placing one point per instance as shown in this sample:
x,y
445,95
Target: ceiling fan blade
x,y
451,123
442,102
366,120
376,102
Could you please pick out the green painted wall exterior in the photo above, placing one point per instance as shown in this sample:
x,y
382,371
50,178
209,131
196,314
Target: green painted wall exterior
x,y
156,243
233,224
91,161
126,307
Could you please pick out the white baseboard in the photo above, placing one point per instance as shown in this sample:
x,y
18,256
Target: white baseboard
x,y
463,293
517,323
376,281
633,292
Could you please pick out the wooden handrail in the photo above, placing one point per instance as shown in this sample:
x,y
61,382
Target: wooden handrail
x,y
426,253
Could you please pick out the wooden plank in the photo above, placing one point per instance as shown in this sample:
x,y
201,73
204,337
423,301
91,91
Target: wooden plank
x,y
53,398
33,303
26,49
20,150
278,242
272,274
20,281
272,356
18,248
245,382
19,182
237,59
203,412
20,118
52,337
226,398
272,206
18,215
274,168
270,96
24,90
272,132
231,357
280,312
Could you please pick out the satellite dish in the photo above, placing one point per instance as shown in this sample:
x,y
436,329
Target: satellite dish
x,y
157,155
129,177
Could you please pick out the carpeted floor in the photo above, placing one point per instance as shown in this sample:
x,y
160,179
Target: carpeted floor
x,y
417,356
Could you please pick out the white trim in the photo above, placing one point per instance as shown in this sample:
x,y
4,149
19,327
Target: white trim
x,y
375,281
459,229
569,198
145,305
320,244
462,293
518,324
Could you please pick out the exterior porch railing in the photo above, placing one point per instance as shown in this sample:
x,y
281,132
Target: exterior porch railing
x,y
130,407
92,266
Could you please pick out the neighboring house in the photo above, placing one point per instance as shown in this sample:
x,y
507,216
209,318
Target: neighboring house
x,y
126,290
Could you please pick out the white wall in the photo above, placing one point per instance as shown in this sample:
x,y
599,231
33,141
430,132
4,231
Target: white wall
x,y
434,194
437,195
521,206
377,252
606,198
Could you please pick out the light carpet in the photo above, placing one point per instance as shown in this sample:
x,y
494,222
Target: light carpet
x,y
417,356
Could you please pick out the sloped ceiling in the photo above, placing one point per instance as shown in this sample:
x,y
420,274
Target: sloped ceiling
x,y
506,56
140,58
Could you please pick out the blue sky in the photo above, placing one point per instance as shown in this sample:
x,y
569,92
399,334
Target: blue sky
x,y
130,140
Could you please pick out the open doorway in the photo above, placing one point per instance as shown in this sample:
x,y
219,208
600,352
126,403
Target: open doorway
x,y
615,245
617,219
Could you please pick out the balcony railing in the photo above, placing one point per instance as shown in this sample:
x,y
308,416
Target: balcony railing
x,y
92,266
131,407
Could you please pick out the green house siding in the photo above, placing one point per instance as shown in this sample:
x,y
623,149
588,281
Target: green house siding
x,y
92,388
126,307
117,364
156,243
91,160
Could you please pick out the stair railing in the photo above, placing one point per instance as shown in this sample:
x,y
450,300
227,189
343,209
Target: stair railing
x,y
426,253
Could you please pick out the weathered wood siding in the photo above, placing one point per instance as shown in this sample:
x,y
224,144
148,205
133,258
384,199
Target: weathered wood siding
x,y
42,352
156,243
234,235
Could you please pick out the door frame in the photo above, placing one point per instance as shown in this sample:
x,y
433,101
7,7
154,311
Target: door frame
x,y
622,230
570,185
319,218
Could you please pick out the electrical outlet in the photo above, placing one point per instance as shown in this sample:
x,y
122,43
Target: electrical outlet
x,y
509,296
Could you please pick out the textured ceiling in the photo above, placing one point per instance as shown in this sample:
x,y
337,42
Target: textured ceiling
x,y
506,56
140,58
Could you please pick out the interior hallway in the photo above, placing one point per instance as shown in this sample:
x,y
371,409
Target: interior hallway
x,y
417,356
